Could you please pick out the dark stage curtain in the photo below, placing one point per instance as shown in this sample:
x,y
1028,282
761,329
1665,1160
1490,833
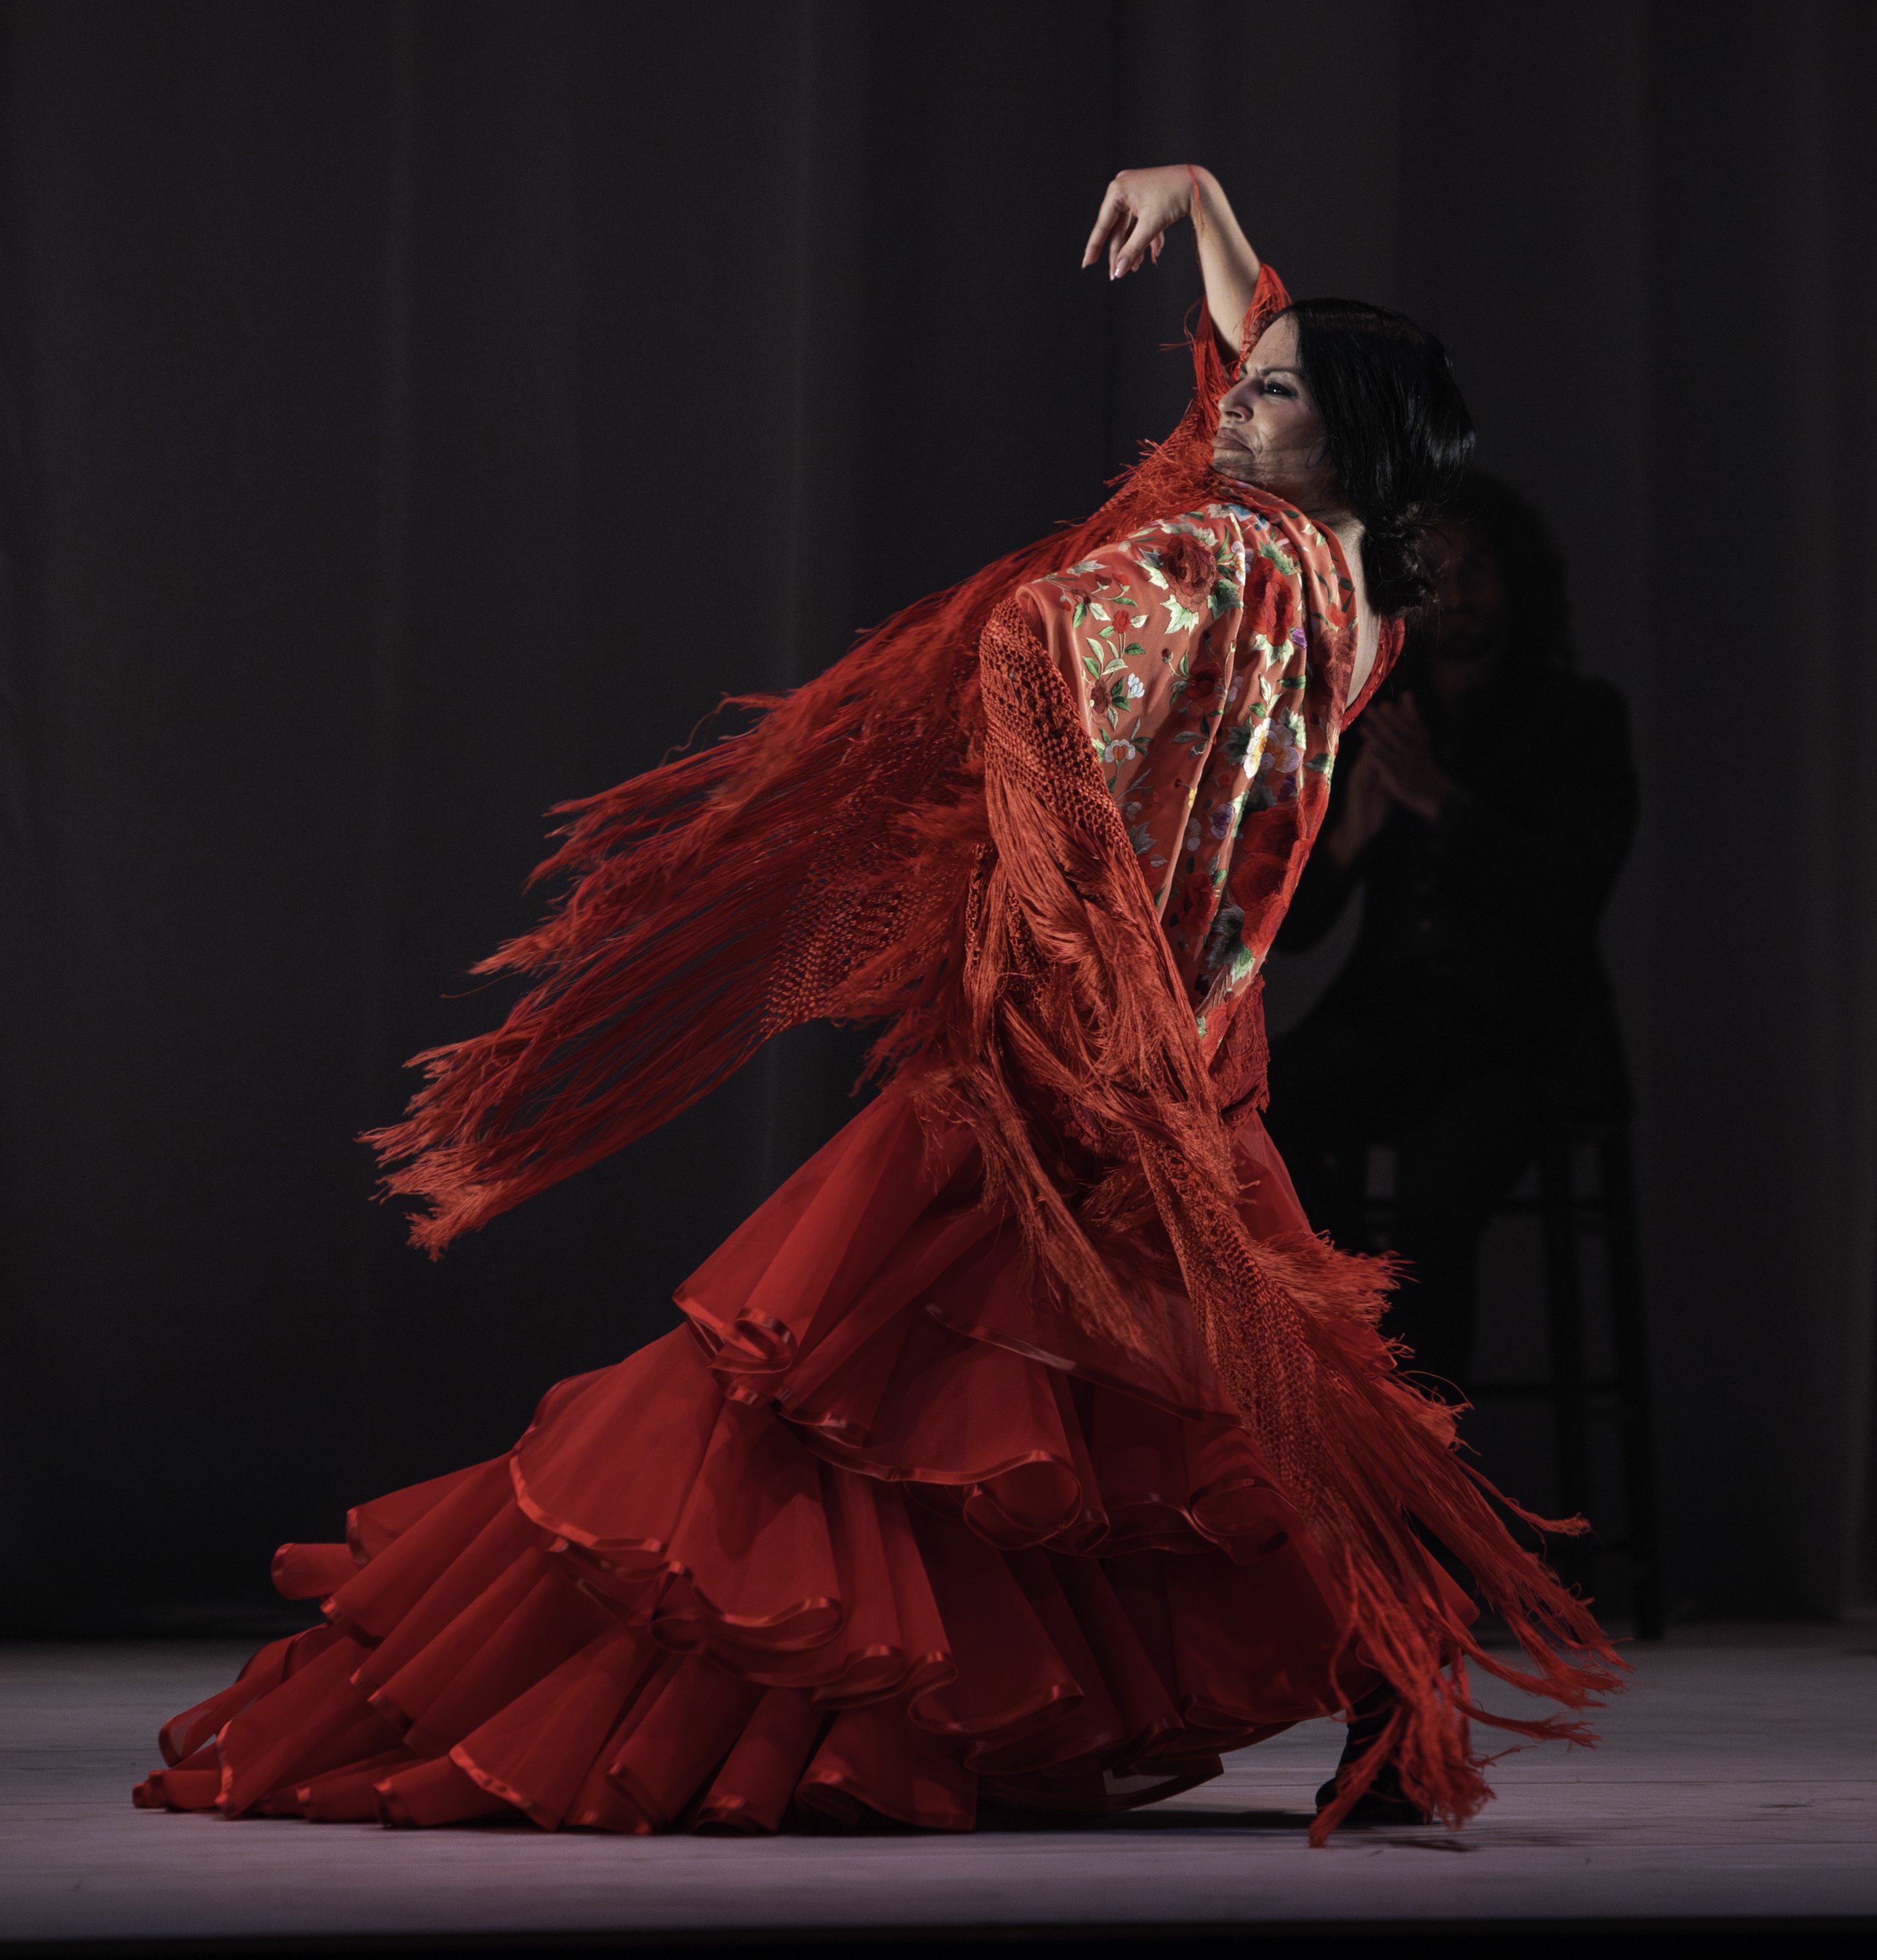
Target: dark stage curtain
x,y
417,412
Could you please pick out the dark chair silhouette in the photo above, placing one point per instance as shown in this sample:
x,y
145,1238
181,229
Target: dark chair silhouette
x,y
1566,1214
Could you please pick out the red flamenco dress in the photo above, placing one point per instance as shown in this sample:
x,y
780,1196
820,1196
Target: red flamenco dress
x,y
1025,1451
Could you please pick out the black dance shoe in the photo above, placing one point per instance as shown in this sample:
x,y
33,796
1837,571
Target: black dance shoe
x,y
1384,1801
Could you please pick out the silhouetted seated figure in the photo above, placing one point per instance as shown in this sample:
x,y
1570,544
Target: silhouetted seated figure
x,y
1484,807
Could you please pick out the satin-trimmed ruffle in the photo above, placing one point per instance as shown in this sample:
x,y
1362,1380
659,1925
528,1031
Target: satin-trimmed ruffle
x,y
874,1533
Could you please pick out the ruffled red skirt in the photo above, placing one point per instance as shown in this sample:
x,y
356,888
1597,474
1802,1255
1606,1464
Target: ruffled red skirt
x,y
876,1533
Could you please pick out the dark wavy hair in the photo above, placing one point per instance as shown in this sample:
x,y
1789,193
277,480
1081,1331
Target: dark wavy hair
x,y
1400,434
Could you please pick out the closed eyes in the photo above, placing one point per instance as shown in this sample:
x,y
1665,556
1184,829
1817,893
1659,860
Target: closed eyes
x,y
1267,384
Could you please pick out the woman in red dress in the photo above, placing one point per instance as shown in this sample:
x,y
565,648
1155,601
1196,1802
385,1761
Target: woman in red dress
x,y
1026,1450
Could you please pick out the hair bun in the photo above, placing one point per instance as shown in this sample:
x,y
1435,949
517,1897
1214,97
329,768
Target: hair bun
x,y
1398,428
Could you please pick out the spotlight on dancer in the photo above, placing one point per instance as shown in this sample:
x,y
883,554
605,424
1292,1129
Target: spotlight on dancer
x,y
1026,1450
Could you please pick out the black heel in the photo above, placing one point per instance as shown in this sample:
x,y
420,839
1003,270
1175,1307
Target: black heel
x,y
1384,1801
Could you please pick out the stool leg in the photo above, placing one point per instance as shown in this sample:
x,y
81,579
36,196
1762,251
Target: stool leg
x,y
1634,1414
1564,1302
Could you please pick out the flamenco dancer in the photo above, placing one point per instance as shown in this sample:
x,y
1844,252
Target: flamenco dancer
x,y
1026,1450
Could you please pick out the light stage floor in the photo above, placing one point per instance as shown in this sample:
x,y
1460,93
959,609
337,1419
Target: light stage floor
x,y
1737,1784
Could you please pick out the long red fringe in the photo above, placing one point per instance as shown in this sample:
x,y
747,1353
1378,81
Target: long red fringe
x,y
1066,1007
811,867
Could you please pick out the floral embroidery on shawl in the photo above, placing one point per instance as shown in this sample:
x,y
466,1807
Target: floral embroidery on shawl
x,y
1187,644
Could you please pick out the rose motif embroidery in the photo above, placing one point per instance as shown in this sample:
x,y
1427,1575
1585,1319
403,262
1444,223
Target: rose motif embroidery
x,y
1190,567
1203,685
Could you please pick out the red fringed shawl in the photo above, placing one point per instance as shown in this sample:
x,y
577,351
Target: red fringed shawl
x,y
921,836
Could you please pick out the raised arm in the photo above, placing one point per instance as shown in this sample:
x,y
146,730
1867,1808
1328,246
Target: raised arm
x,y
1141,206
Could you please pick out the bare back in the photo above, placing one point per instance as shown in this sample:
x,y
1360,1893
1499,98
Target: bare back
x,y
1368,625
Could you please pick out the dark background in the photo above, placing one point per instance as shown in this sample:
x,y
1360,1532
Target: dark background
x,y
419,411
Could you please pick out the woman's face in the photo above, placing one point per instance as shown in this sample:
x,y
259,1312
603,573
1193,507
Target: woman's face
x,y
1270,434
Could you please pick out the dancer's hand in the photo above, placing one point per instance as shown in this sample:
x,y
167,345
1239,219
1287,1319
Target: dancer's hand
x,y
1140,208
